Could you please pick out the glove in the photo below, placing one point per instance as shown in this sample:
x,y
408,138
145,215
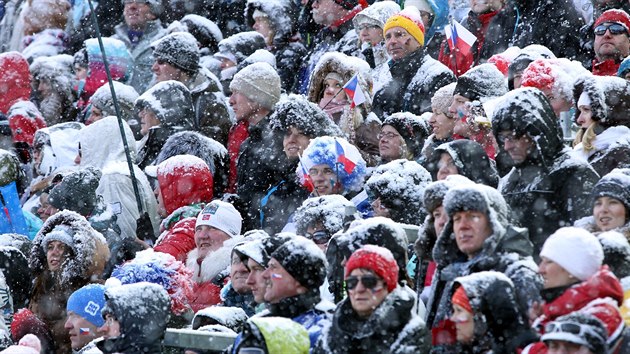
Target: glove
x,y
144,229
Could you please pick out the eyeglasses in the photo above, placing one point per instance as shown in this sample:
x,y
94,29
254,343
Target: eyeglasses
x,y
368,281
324,171
566,327
319,237
388,135
366,27
614,28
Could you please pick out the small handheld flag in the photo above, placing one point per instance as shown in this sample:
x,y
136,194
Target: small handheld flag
x,y
348,165
458,37
308,181
354,91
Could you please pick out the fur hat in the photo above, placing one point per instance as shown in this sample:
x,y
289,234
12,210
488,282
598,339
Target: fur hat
x,y
260,83
296,111
481,198
178,49
221,215
304,260
436,191
380,260
333,211
376,14
410,20
125,95
413,129
590,333
576,250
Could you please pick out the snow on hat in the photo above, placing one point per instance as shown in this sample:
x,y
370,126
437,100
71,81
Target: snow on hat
x,y
614,15
88,302
376,14
154,5
296,111
125,96
576,250
422,5
331,210
77,191
252,246
221,215
304,260
29,344
480,83
481,198
259,82
616,252
351,4
380,260
615,184
178,49
579,328
409,19
411,127
61,233
443,99
271,244
436,191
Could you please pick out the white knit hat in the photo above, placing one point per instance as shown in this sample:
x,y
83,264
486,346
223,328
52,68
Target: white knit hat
x,y
221,215
259,82
576,250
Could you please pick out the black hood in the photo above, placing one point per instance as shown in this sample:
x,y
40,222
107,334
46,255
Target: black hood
x,y
610,99
471,160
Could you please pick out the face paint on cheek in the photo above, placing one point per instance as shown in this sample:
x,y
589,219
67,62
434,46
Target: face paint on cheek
x,y
276,276
84,331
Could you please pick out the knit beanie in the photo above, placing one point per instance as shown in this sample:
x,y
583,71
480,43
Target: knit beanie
x,y
221,215
410,20
259,82
624,68
443,99
422,5
179,49
126,97
480,83
615,16
271,244
589,331
77,191
411,127
615,184
436,191
304,260
380,260
576,250
88,302
460,298
154,5
61,233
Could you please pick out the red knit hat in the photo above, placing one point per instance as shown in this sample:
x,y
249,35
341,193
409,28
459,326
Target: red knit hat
x,y
539,74
614,15
460,298
377,259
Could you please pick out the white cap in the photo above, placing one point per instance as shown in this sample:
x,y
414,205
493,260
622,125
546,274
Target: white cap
x,y
221,215
576,250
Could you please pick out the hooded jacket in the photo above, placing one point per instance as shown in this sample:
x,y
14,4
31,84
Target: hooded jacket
x,y
470,159
549,189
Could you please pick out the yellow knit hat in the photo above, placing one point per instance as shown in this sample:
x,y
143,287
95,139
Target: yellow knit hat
x,y
410,20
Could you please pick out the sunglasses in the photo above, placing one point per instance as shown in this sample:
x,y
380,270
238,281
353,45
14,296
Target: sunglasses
x,y
614,28
566,327
368,281
319,237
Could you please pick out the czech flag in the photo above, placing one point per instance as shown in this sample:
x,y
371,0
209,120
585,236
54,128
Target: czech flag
x,y
354,91
308,181
459,37
84,331
348,164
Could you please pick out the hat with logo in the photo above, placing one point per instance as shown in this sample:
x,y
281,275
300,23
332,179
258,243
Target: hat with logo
x,y
221,215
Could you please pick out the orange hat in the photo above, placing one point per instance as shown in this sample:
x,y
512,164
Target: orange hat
x,y
410,20
460,298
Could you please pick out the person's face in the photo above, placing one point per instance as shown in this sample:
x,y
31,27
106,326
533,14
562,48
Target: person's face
x,y
209,239
148,119
279,283
294,143
518,78
471,229
399,43
391,145
111,327
164,71
324,180
226,63
242,106
80,72
255,281
459,108
263,26
333,91
95,115
585,119
562,347
81,331
518,147
442,125
55,255
485,6
161,208
627,76
380,209
558,103
464,324
446,167
365,300
553,274
238,275
137,14
440,217
44,88
326,12
611,46
370,34
45,210
609,213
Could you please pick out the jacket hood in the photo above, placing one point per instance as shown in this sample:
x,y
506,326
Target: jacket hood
x,y
282,14
10,170
242,45
15,80
610,99
59,145
184,180
192,143
119,60
171,103
376,14
471,161
528,111
90,249
101,143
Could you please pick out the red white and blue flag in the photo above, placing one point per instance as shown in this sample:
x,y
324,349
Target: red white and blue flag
x,y
84,331
459,37
354,91
348,164
308,181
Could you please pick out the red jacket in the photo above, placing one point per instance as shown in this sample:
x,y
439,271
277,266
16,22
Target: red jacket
x,y
605,68
237,135
179,239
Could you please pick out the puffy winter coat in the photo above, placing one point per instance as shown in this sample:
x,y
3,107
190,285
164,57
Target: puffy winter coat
x,y
549,189
415,79
393,327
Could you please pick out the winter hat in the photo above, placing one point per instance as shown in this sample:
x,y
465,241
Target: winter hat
x,y
221,215
576,250
480,83
436,191
252,246
179,49
470,159
422,5
88,302
443,99
411,127
333,211
579,328
615,184
527,55
29,344
609,98
351,4
77,191
376,14
206,32
481,198
409,19
304,260
260,83
241,45
61,233
616,253
614,16
296,111
171,103
624,67
125,95
380,260
25,323
154,5
271,244
460,298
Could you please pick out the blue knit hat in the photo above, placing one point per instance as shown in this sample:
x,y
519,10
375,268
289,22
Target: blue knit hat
x,y
88,302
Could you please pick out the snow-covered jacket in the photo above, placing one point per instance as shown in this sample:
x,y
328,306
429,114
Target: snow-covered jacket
x,y
611,149
470,159
57,106
415,79
141,52
49,42
210,274
102,147
393,327
549,189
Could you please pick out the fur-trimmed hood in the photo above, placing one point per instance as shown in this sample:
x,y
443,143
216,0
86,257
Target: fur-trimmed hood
x,y
214,264
610,98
